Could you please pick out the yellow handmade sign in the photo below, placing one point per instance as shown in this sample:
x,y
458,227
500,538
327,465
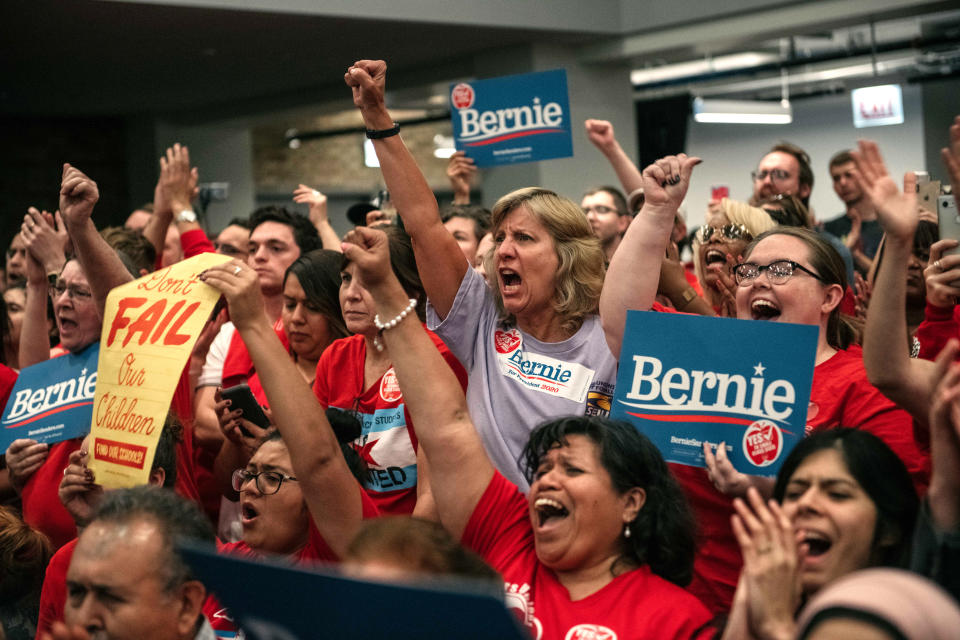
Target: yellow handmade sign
x,y
149,328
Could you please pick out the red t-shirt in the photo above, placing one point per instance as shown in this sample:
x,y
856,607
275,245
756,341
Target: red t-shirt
x,y
388,442
53,596
42,508
8,378
841,396
938,326
237,365
634,605
194,242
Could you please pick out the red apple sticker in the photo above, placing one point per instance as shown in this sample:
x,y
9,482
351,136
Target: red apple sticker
x,y
506,341
390,386
462,96
762,443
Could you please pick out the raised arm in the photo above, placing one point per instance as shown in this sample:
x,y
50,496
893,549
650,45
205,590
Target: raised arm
x,y
44,237
440,261
332,493
908,382
78,195
460,173
634,273
317,203
600,133
34,336
175,190
459,467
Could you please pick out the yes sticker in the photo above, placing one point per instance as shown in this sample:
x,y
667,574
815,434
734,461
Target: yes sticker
x,y
506,341
762,442
390,386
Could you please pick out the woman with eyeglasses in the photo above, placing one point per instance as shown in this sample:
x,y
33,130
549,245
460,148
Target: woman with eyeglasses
x,y
311,321
299,494
788,274
275,516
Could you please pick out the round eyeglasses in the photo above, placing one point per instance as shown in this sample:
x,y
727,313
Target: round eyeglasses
x,y
268,482
778,272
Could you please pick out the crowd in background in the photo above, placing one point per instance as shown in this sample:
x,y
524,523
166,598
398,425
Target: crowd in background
x,y
394,431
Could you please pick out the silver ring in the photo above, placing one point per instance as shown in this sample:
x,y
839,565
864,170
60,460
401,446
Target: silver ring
x,y
236,270
937,265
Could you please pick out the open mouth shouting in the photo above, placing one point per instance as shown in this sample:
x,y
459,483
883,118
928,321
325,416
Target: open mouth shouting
x,y
548,511
248,513
66,324
510,281
762,309
714,259
817,543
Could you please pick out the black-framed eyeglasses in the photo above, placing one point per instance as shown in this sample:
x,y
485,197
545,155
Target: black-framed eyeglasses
x,y
778,272
599,209
777,175
74,292
728,231
268,482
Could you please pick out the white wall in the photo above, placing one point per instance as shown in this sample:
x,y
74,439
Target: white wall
x,y
822,126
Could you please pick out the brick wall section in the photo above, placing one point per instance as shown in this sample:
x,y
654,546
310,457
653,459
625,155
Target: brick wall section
x,y
335,164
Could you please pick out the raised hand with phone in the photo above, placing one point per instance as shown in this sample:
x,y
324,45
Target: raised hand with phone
x,y
908,382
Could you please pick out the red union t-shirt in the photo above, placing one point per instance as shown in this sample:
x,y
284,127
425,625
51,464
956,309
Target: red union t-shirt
x,y
635,605
237,365
388,442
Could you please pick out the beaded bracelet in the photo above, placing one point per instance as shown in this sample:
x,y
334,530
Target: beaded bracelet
x,y
390,324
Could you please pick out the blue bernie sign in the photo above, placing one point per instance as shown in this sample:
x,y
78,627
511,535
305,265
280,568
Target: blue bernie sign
x,y
52,400
685,380
511,119
297,604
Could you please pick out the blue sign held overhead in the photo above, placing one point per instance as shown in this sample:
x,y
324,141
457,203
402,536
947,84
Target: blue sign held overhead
x,y
685,380
519,118
52,400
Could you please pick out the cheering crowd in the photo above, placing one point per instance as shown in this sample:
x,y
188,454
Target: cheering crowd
x,y
395,433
